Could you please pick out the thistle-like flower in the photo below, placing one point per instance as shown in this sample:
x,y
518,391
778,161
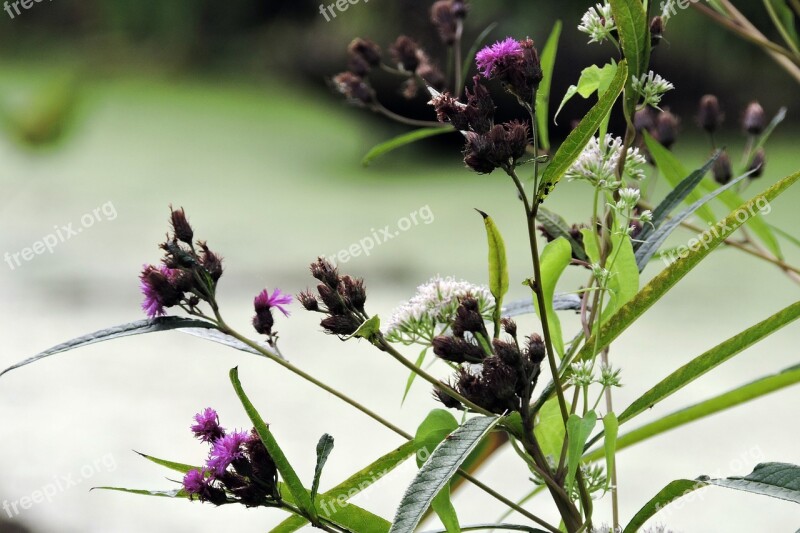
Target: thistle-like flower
x,y
433,309
598,23
497,56
206,426
651,87
598,162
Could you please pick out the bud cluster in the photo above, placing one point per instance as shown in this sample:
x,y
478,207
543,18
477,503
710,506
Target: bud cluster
x,y
497,374
340,298
186,277
239,468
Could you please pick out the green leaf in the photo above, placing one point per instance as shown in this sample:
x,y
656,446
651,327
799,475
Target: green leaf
x,y
670,276
402,140
578,432
500,526
593,80
177,493
177,467
334,502
548,63
139,327
779,117
710,360
743,394
368,329
549,429
578,138
561,302
556,226
413,375
667,495
610,430
296,488
654,242
324,448
433,430
777,480
674,172
498,267
677,195
556,256
634,38
465,68
783,18
437,471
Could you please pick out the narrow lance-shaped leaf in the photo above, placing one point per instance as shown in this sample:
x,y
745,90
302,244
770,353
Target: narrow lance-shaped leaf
x,y
139,327
285,469
556,226
578,432
648,249
710,360
738,396
433,430
673,199
402,140
556,256
670,276
548,63
498,267
578,138
176,493
777,480
413,375
331,503
634,36
324,449
437,471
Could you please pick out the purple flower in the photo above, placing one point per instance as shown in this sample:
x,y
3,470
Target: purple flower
x,y
497,54
226,450
194,482
207,427
157,285
277,299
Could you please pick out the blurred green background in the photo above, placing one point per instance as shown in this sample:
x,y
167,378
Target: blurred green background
x,y
223,108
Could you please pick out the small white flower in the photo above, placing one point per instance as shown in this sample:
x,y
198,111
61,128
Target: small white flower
x,y
629,197
651,87
646,217
582,374
598,23
601,274
598,162
609,376
433,309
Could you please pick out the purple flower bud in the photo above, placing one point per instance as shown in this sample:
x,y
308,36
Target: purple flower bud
x,y
158,285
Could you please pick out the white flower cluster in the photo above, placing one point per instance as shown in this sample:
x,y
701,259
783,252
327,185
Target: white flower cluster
x,y
598,163
432,310
651,87
598,23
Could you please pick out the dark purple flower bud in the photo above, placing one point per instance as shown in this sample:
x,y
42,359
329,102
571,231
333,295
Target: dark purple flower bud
x,y
159,290
325,272
710,115
468,318
180,226
754,120
757,164
355,292
206,426
517,138
341,324
211,262
358,66
723,171
457,350
666,128
332,299
507,352
509,326
308,301
354,88
501,149
444,20
656,31
432,74
405,53
535,349
478,153
450,111
366,50
480,107
448,401
264,469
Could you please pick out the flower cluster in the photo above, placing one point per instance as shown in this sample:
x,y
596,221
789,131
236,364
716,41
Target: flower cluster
x,y
598,163
651,88
598,23
186,277
239,468
432,310
495,374
340,298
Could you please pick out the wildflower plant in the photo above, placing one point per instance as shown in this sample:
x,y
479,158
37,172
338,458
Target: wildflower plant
x,y
546,391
